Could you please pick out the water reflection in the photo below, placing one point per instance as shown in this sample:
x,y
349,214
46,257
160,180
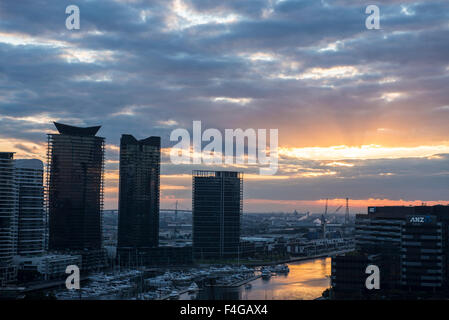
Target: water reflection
x,y
306,281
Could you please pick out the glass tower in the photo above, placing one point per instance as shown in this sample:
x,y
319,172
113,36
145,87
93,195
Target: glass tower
x,y
31,221
139,192
8,218
75,188
217,208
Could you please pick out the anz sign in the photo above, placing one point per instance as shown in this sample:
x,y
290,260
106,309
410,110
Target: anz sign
x,y
420,219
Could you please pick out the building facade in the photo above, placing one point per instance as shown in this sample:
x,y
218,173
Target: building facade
x,y
217,204
412,246
45,266
156,256
31,214
138,225
348,274
75,188
8,218
424,253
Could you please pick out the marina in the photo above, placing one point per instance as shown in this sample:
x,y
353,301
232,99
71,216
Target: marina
x,y
294,280
306,281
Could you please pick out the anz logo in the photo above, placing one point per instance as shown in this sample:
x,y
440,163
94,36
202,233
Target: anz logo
x,y
420,219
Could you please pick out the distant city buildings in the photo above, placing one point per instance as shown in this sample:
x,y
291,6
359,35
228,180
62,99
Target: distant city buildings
x,y
217,208
75,199
139,192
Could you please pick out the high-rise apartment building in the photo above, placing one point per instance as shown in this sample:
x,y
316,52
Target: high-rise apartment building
x,y
75,188
217,203
139,192
31,214
8,218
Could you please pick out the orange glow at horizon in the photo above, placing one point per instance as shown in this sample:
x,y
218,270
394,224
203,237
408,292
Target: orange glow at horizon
x,y
314,206
359,205
331,157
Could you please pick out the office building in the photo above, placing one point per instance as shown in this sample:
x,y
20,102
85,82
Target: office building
x,y
75,188
8,218
424,250
138,225
31,214
412,243
217,207
348,274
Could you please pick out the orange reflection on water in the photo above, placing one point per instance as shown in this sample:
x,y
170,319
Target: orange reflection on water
x,y
306,281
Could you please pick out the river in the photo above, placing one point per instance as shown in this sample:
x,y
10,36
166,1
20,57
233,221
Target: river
x,y
305,281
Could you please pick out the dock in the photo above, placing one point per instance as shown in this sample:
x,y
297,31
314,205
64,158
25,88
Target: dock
x,y
301,258
238,283
167,296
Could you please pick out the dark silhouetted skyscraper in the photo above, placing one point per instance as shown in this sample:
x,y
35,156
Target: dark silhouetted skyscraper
x,y
31,220
75,199
217,207
408,243
139,192
8,218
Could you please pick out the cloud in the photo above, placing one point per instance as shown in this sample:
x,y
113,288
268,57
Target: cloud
x,y
308,68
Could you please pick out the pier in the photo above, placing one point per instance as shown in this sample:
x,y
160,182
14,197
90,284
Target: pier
x,y
167,296
303,258
238,283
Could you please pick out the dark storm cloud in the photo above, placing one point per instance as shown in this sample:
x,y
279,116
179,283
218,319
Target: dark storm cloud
x,y
134,66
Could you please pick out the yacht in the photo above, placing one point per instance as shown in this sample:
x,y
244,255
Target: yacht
x,y
266,274
193,288
174,295
282,268
150,296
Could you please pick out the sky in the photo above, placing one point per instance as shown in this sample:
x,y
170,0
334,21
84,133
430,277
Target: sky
x,y
360,113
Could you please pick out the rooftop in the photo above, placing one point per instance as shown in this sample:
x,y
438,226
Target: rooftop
x,y
6,155
151,141
76,131
210,173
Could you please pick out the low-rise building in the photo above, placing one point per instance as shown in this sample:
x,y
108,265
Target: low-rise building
x,y
46,266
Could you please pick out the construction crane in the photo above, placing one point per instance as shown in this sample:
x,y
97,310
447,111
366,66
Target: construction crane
x,y
323,220
176,219
176,210
324,216
347,212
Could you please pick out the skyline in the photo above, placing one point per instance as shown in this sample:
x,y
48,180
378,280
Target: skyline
x,y
361,113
